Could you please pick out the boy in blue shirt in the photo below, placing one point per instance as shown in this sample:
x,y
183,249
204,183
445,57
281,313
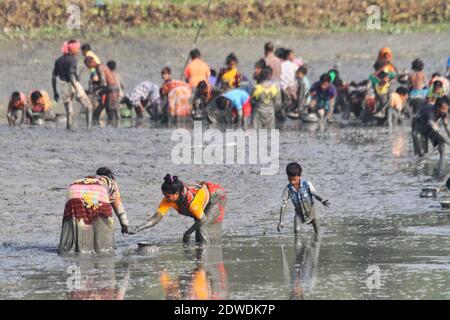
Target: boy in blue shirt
x,y
302,194
238,101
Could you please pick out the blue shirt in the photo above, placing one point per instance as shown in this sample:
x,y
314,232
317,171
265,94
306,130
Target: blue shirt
x,y
303,194
237,97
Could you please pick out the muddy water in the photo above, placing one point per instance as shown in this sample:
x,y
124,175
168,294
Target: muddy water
x,y
376,221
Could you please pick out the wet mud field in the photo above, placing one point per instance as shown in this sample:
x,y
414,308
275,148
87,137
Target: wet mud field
x,y
376,222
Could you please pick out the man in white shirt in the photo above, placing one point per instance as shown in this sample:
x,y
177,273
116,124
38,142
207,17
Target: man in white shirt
x,y
288,82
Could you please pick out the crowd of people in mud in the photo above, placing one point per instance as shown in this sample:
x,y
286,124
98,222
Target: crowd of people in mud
x,y
280,89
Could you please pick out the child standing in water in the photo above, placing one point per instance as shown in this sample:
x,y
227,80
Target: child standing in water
x,y
302,194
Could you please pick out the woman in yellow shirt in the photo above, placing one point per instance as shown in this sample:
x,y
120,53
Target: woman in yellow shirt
x,y
229,77
204,202
40,106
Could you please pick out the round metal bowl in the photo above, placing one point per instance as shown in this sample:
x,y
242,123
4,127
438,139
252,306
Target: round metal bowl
x,y
428,193
38,121
310,118
126,113
445,204
60,118
147,248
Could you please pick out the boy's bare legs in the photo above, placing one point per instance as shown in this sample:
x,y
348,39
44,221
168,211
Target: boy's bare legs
x,y
316,226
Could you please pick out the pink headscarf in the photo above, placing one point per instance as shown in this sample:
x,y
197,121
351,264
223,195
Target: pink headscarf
x,y
298,62
68,47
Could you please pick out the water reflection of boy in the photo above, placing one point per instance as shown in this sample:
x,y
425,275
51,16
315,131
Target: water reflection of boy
x,y
304,272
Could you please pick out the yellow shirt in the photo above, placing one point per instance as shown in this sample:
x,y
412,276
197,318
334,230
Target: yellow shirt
x,y
96,59
229,77
196,205
94,56
260,89
382,89
47,101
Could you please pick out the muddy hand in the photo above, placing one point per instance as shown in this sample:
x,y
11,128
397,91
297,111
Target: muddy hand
x,y
326,203
129,230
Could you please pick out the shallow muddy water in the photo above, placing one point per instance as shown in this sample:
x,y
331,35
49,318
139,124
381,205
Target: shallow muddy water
x,y
376,221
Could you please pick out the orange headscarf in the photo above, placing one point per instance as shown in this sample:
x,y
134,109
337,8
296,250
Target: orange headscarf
x,y
386,53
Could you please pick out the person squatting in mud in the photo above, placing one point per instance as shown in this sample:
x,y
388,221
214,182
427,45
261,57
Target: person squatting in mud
x,y
17,103
204,202
40,107
144,96
236,102
88,225
425,127
323,97
65,75
107,89
302,194
37,106
175,95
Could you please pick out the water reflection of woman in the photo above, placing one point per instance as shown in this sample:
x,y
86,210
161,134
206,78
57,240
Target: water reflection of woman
x,y
98,281
207,281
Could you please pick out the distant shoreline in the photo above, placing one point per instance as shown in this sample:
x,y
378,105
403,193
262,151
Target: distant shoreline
x,y
209,32
47,19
